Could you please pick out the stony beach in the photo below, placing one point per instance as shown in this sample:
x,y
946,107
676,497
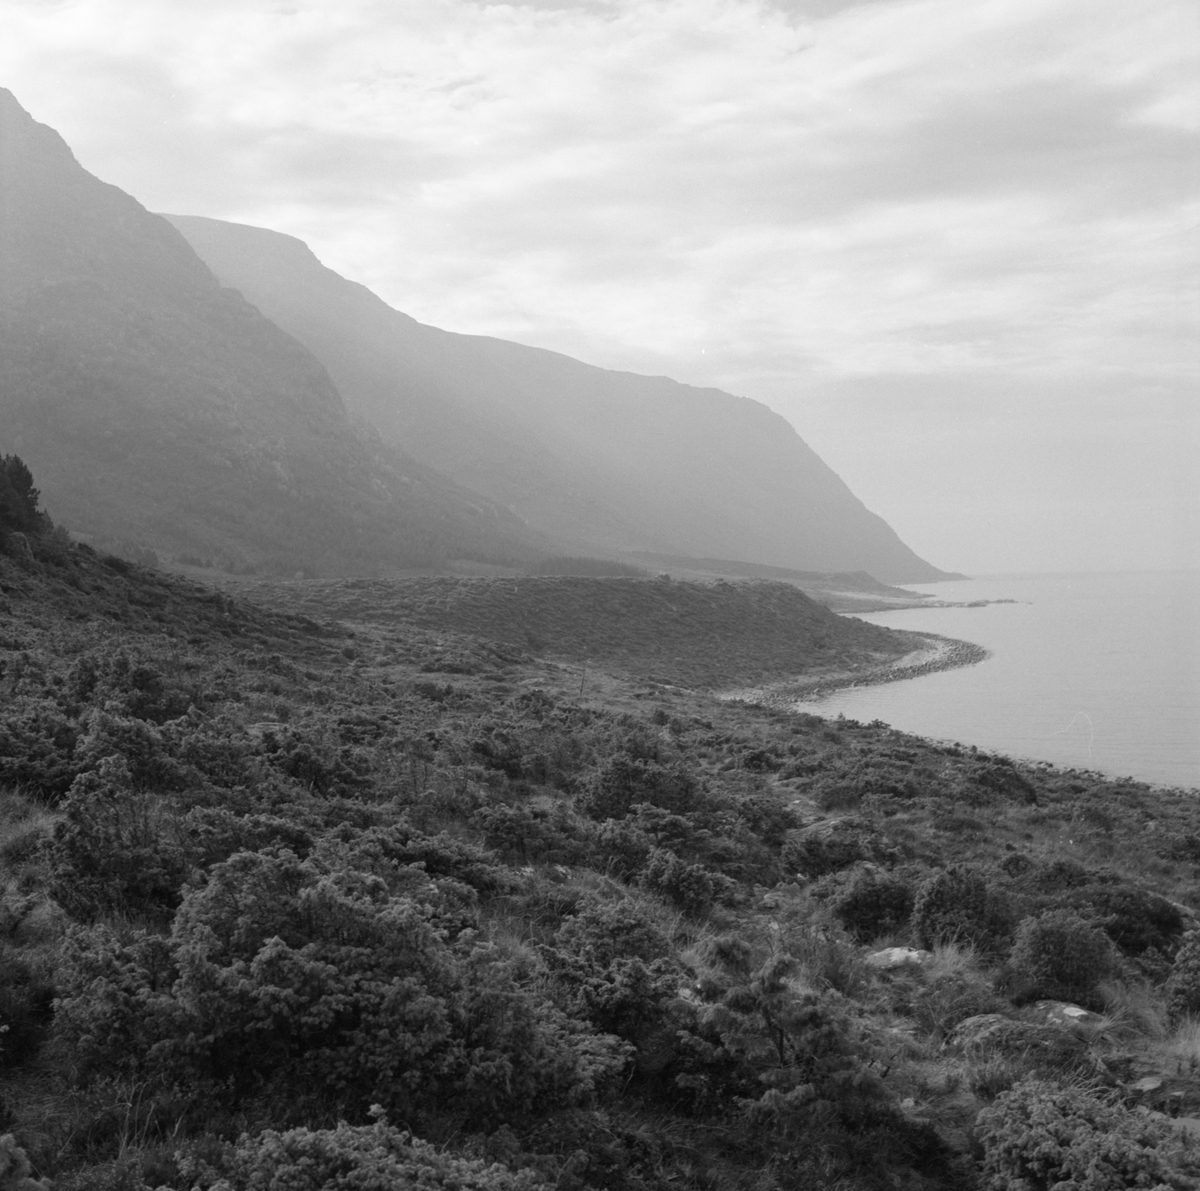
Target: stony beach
x,y
937,653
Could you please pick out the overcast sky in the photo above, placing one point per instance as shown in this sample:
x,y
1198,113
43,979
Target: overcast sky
x,y
952,241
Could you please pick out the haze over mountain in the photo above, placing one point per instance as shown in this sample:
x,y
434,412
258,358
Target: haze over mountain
x,y
163,410
607,461
159,408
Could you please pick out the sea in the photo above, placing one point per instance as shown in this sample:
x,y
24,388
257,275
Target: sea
x,y
1088,671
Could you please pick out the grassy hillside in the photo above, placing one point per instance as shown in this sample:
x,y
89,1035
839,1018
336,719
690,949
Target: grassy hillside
x,y
296,901
693,634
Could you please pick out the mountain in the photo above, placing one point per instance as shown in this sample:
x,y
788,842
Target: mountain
x,y
159,408
605,461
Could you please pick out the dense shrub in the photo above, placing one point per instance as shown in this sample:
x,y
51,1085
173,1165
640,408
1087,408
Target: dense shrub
x,y
1038,1135
623,781
1135,919
872,903
957,905
283,977
375,1157
615,967
1058,954
116,848
37,747
692,887
25,998
15,1171
830,846
1183,985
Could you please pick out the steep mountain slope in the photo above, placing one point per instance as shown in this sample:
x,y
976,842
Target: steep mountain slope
x,y
158,407
606,460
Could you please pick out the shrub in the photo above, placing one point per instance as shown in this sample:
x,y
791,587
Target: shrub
x,y
956,905
114,848
284,977
25,1001
1038,1135
1135,919
15,1172
872,904
37,745
830,846
374,1157
1058,954
615,966
1183,985
624,781
691,887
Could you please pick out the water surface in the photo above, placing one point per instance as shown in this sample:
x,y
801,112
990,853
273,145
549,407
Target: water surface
x,y
1095,671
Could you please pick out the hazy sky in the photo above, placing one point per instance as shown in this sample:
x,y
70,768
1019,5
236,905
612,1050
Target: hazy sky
x,y
953,241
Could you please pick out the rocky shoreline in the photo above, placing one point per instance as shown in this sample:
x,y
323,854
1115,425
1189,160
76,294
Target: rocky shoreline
x,y
938,653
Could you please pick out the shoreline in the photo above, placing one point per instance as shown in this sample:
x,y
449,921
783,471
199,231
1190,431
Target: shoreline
x,y
940,653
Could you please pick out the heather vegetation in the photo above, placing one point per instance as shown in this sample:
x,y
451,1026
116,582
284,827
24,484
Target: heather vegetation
x,y
296,898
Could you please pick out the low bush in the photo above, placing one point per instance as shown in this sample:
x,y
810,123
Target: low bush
x,y
873,903
956,905
830,846
1057,954
288,979
376,1157
15,1171
692,887
1183,984
625,781
1038,1135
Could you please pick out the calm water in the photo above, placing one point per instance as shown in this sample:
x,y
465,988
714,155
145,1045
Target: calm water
x,y
1093,671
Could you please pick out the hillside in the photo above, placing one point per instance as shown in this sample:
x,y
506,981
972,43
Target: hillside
x,y
294,901
601,461
691,634
163,410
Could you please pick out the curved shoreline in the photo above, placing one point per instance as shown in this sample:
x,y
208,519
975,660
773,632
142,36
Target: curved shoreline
x,y
941,653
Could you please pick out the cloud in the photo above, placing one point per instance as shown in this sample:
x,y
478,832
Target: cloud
x,y
775,197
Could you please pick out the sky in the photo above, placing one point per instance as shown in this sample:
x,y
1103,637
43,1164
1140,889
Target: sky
x,y
953,242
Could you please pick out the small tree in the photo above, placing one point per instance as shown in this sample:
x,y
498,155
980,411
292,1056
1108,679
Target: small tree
x,y
18,497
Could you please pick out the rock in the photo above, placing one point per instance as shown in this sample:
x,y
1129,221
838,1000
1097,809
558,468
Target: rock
x,y
18,546
995,1033
1189,1124
1151,1083
1065,1014
898,957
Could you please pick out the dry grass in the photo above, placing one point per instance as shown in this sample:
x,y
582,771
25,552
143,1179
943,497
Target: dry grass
x,y
24,824
1179,1051
1133,1011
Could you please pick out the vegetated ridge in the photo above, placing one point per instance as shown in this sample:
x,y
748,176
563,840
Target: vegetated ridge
x,y
304,903
163,410
692,634
602,461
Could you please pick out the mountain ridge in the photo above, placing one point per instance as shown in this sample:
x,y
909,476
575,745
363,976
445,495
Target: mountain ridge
x,y
161,407
607,460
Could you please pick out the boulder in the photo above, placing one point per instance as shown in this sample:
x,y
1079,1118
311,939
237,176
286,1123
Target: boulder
x,y
993,1033
1063,1013
891,958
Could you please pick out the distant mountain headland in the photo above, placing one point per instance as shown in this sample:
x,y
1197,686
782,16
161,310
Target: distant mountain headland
x,y
302,425
159,408
609,460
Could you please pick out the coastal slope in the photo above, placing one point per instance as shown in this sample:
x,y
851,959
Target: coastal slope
x,y
603,461
162,410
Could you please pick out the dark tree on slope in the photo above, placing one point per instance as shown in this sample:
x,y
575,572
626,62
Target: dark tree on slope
x,y
18,497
